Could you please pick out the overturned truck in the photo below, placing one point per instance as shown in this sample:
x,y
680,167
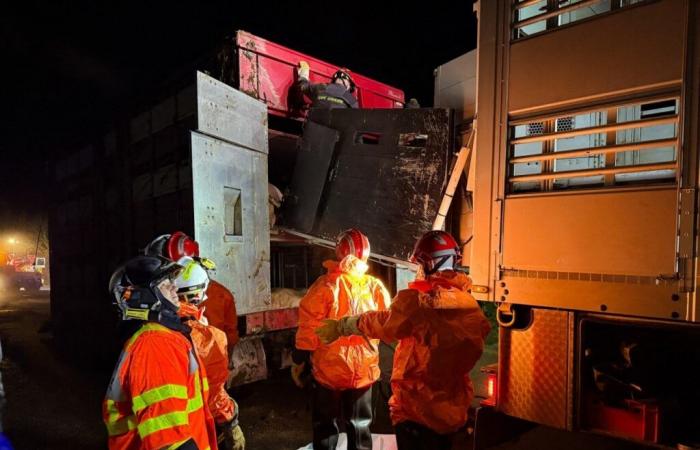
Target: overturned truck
x,y
199,157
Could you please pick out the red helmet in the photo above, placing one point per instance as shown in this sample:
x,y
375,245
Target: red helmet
x,y
173,246
436,250
352,242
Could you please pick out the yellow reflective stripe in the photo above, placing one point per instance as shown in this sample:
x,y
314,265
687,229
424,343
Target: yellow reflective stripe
x,y
112,412
162,422
121,426
206,384
115,423
158,394
150,326
197,402
176,445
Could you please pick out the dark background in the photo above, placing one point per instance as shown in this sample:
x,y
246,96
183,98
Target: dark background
x,y
70,66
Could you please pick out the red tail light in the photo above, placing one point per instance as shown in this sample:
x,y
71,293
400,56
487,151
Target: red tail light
x,y
491,390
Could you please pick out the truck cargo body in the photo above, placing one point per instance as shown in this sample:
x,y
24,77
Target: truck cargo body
x,y
585,211
199,158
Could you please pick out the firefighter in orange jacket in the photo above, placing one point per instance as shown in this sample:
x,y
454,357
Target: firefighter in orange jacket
x,y
220,306
440,331
220,311
210,343
344,371
158,393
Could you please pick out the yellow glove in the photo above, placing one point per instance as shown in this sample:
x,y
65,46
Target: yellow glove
x,y
297,371
329,331
231,438
303,70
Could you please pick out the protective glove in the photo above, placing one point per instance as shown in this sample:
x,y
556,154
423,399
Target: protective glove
x,y
331,329
230,437
303,70
298,377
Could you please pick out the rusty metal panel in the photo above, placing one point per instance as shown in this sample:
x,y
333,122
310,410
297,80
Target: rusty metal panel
x,y
618,233
392,164
534,369
636,49
280,319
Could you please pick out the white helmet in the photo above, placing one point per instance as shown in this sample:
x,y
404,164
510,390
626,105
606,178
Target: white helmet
x,y
192,282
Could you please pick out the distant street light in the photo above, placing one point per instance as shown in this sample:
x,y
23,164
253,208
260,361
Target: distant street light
x,y
12,241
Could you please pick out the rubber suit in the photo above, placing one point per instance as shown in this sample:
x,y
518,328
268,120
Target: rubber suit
x,y
345,370
220,311
210,343
440,331
346,290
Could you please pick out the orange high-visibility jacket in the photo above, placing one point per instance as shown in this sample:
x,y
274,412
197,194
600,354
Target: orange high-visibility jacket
x,y
158,394
441,331
350,362
220,311
210,343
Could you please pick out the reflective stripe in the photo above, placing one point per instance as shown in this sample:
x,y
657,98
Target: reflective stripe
x,y
206,384
149,326
112,411
328,98
121,426
162,422
176,445
197,402
158,394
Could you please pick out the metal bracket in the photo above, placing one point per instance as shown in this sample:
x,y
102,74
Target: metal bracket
x,y
686,238
686,223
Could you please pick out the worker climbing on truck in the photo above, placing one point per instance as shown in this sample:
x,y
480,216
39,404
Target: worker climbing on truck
x,y
220,306
158,393
336,94
343,372
210,344
440,331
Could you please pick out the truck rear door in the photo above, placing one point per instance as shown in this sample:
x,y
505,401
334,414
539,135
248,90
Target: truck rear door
x,y
382,171
229,182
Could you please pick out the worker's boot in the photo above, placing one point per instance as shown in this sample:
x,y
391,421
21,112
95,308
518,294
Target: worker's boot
x,y
357,411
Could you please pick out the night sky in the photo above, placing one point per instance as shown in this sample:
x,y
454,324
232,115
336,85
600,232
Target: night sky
x,y
71,66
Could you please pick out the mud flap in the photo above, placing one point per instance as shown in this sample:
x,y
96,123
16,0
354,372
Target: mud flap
x,y
248,362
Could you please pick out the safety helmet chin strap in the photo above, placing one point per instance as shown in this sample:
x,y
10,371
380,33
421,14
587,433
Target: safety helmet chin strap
x,y
440,263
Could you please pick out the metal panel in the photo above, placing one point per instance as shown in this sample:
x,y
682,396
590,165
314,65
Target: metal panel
x,y
230,115
375,169
455,85
165,180
620,233
310,176
243,262
635,49
612,294
163,114
267,71
534,369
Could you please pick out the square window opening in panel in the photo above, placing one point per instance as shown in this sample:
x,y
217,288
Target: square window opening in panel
x,y
233,212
